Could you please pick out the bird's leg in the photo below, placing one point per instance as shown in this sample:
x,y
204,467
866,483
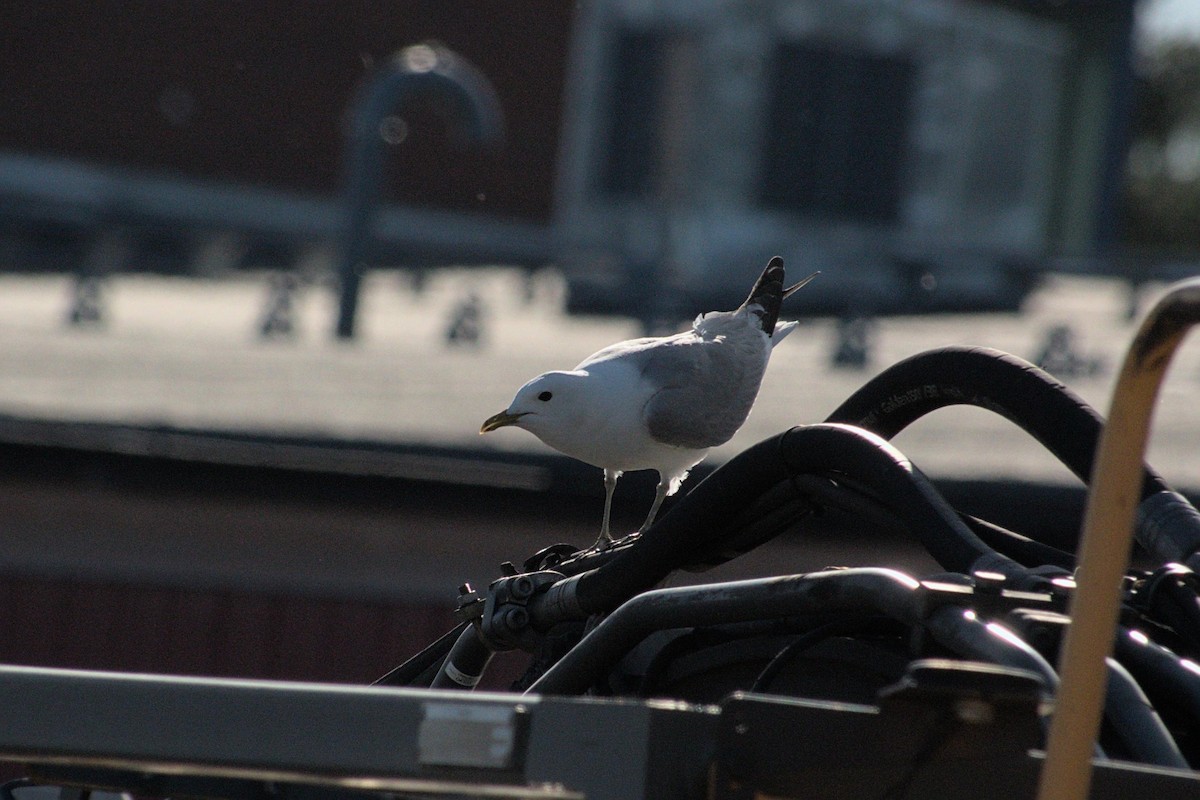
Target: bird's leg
x,y
659,495
610,483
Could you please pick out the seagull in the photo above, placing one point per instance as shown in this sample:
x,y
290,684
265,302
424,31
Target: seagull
x,y
659,402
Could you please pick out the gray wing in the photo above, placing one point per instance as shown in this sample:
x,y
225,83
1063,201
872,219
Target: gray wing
x,y
706,391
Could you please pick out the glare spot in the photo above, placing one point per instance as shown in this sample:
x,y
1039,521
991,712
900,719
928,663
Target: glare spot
x,y
928,282
1001,632
419,58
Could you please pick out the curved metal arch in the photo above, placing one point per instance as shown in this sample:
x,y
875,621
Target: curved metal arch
x,y
471,108
1105,542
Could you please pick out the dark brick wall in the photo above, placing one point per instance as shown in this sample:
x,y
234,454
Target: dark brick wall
x,y
257,92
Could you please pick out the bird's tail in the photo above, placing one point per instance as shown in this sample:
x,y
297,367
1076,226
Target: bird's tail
x,y
768,293
782,329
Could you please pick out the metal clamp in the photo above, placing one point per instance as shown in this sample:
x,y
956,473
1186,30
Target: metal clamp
x,y
506,622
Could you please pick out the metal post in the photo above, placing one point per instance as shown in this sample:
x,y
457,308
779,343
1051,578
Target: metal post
x,y
425,70
1104,546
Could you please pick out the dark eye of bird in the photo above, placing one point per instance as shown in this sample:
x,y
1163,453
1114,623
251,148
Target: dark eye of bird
x,y
544,396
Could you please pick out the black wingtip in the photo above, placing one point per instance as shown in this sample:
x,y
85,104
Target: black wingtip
x,y
768,294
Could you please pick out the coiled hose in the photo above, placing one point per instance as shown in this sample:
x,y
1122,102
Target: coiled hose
x,y
1168,526
1000,382
701,521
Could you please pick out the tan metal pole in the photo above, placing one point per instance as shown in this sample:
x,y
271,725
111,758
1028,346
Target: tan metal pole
x,y
1105,544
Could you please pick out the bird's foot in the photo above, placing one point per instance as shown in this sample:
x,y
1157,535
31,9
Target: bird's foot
x,y
607,542
602,543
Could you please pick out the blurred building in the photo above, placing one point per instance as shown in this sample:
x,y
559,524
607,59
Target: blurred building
x,y
180,124
925,155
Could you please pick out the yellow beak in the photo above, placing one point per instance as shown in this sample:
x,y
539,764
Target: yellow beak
x,y
499,421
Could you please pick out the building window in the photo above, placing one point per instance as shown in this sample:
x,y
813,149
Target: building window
x,y
629,158
836,131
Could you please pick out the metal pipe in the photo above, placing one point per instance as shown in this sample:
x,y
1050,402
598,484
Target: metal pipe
x,y
1105,542
420,70
882,591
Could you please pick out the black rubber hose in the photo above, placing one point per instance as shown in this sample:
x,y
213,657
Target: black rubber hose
x,y
1168,525
990,379
1169,597
825,593
1022,549
842,626
1163,673
1137,723
701,520
466,662
971,637
884,471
